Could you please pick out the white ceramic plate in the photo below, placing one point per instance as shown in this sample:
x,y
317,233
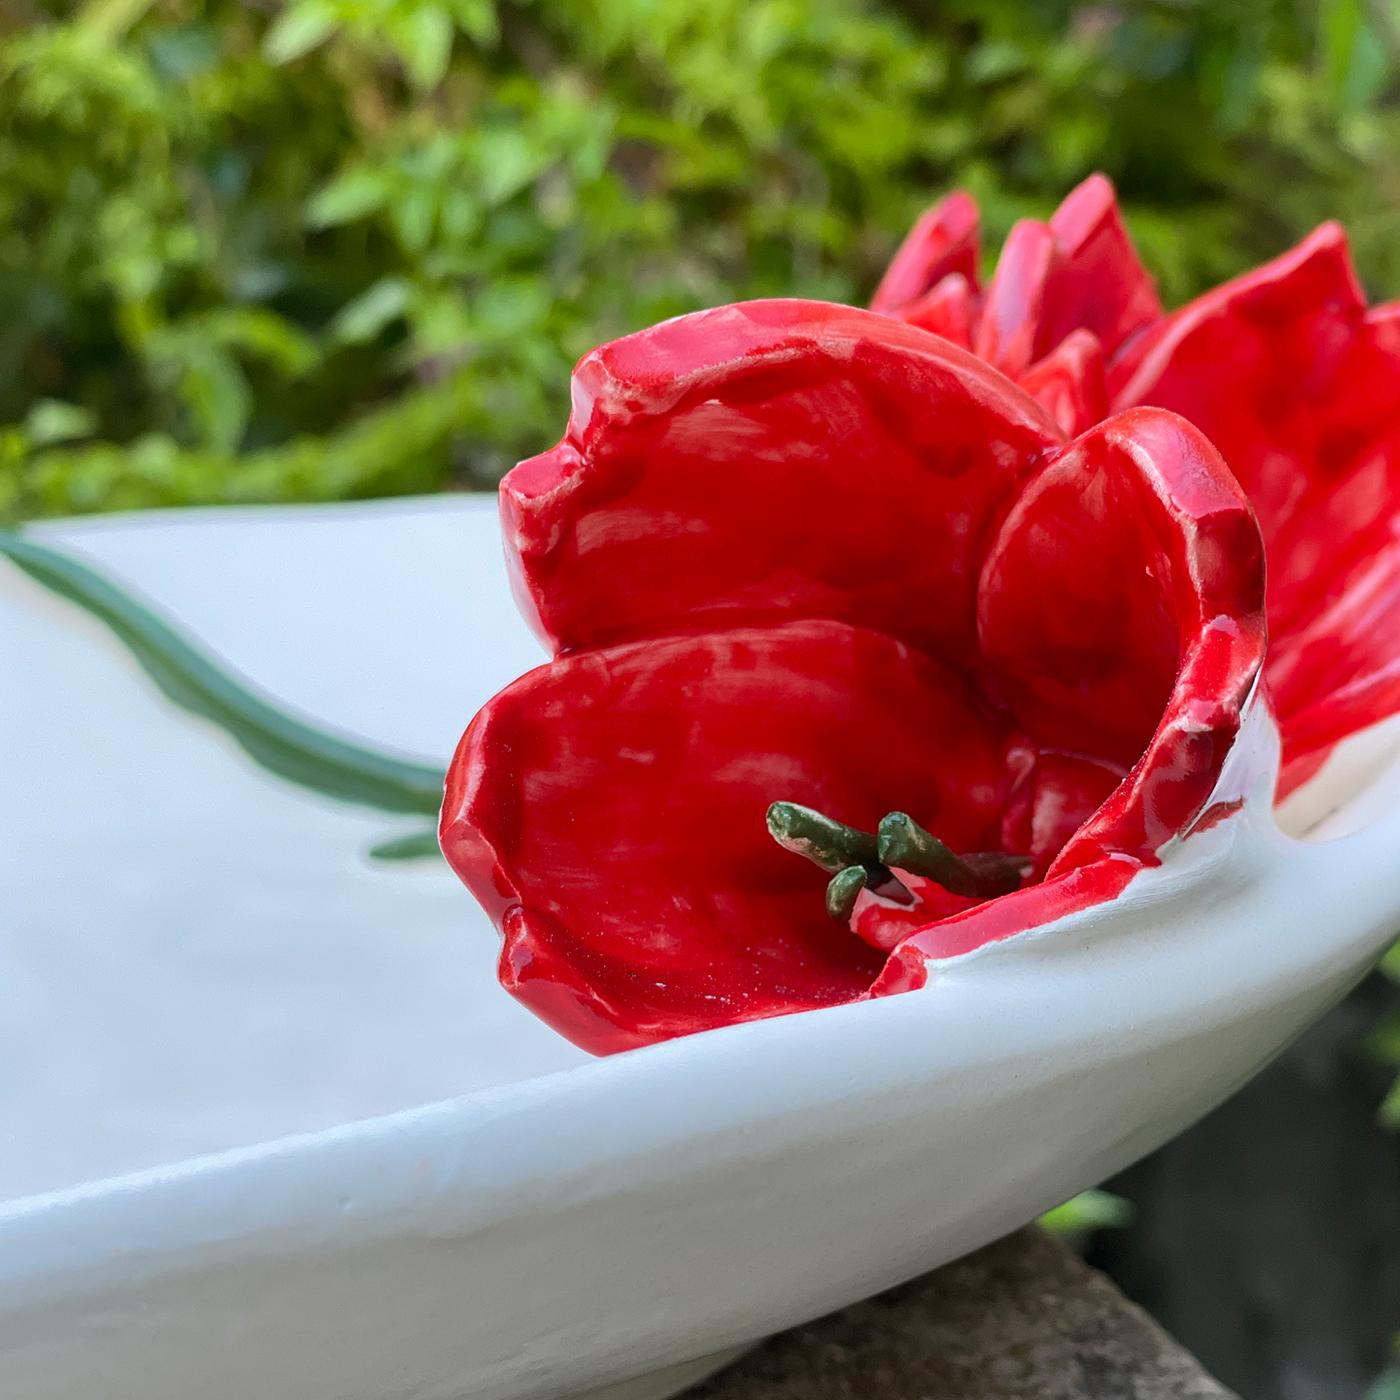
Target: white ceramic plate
x,y
270,1128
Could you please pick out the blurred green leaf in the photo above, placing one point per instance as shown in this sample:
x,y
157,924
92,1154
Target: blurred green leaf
x,y
1389,1112
423,37
1390,963
1089,1210
1387,1386
477,19
216,392
301,27
109,19
363,318
262,334
233,234
348,197
51,420
1383,1043
1384,1040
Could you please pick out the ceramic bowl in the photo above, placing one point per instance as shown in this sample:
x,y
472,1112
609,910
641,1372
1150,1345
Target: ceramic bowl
x,y
272,1129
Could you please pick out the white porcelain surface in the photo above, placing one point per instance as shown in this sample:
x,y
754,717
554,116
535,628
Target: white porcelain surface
x,y
196,955
271,1129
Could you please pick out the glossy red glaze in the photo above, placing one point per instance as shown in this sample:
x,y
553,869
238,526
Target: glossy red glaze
x,y
1009,332
709,459
1125,595
1099,284
1298,384
790,550
1076,273
1288,373
951,310
942,243
1069,382
615,800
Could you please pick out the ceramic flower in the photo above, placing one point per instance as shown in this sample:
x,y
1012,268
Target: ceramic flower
x,y
800,554
1285,369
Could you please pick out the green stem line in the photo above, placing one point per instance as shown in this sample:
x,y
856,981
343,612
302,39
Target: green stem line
x,y
842,892
859,861
291,747
417,845
986,874
832,845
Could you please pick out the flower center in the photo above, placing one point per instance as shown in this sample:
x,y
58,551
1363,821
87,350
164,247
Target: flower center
x,y
859,860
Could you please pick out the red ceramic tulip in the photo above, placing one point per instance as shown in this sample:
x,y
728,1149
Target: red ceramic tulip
x,y
1286,371
799,553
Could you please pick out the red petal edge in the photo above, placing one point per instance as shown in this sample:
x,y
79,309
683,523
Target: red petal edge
x,y
1297,383
1069,383
942,242
768,461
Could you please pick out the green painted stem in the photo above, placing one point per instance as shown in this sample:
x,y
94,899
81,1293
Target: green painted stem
x,y
830,844
418,845
984,875
842,892
296,749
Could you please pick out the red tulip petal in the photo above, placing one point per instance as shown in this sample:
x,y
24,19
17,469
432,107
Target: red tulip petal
x,y
608,811
949,310
1054,795
1099,284
1122,607
1299,387
1069,383
1256,366
943,241
1341,672
1009,333
1078,272
1331,538
765,462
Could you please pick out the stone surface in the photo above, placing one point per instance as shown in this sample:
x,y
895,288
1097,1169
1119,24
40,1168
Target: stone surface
x,y
1023,1319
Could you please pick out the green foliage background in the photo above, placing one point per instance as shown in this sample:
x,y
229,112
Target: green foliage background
x,y
329,248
